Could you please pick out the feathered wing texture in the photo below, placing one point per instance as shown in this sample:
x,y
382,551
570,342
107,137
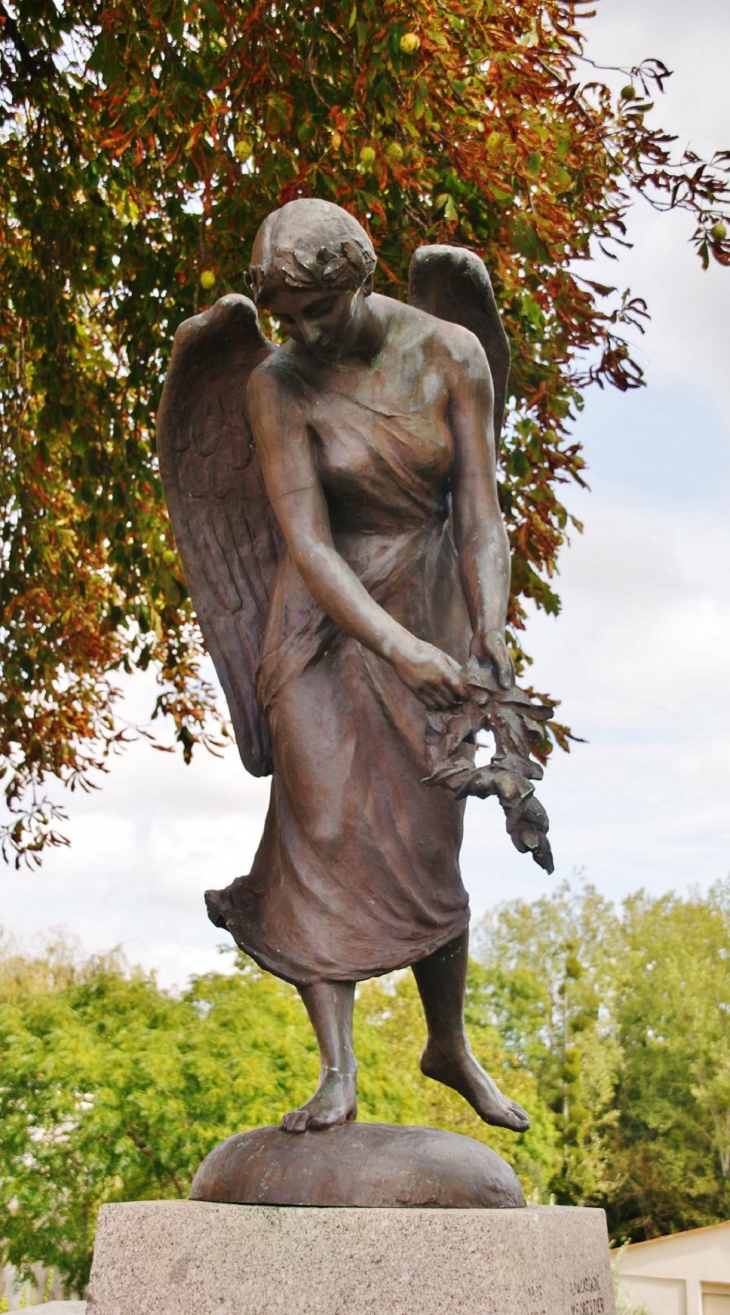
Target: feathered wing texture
x,y
225,529
452,283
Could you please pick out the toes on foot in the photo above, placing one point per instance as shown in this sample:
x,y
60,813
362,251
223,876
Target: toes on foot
x,y
295,1122
519,1115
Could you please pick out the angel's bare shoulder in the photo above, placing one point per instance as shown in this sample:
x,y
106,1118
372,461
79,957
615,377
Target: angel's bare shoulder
x,y
456,349
275,389
276,410
425,342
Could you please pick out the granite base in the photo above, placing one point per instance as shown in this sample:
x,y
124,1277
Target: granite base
x,y
200,1258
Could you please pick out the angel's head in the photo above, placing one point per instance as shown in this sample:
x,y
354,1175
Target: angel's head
x,y
312,267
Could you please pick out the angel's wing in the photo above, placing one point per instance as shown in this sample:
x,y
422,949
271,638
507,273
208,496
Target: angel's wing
x,y
224,527
452,283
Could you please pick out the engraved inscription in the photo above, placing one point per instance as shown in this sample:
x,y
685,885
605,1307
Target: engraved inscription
x,y
587,1291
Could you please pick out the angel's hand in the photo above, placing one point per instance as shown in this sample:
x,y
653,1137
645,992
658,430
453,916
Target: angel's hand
x,y
492,647
434,677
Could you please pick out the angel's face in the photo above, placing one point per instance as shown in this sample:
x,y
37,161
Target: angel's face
x,y
325,321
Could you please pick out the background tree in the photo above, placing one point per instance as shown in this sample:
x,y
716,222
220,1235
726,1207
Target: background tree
x,y
623,1020
140,147
671,1147
550,987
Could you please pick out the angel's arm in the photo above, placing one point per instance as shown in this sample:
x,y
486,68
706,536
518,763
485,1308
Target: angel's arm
x,y
294,488
481,539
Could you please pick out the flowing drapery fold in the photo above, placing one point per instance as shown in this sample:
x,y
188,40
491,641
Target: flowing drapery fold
x,y
357,872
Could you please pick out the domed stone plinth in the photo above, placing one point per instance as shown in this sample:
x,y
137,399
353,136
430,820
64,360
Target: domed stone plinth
x,y
357,1164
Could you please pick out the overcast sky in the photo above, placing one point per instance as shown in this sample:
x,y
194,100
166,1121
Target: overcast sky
x,y
639,655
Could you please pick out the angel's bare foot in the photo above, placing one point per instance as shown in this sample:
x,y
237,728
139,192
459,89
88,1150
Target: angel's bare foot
x,y
334,1101
457,1068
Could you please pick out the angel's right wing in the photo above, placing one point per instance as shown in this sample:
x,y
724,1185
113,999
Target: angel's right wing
x,y
225,529
452,283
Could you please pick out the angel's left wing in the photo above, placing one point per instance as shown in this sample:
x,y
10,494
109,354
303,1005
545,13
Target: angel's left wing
x,y
452,283
225,529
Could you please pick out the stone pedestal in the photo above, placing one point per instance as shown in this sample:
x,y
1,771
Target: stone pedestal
x,y
200,1258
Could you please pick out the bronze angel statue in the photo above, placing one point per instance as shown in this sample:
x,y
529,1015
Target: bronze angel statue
x,y
335,505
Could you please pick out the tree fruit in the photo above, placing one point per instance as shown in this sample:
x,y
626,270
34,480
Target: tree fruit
x,y
207,279
409,43
394,152
367,157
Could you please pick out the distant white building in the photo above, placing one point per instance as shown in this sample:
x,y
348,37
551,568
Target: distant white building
x,y
682,1274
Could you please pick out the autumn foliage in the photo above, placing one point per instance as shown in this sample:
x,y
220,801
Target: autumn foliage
x,y
140,147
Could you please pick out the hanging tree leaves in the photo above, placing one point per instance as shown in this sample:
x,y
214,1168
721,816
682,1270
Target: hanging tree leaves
x,y
140,148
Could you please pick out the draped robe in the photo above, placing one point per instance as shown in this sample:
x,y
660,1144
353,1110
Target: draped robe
x,y
357,872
